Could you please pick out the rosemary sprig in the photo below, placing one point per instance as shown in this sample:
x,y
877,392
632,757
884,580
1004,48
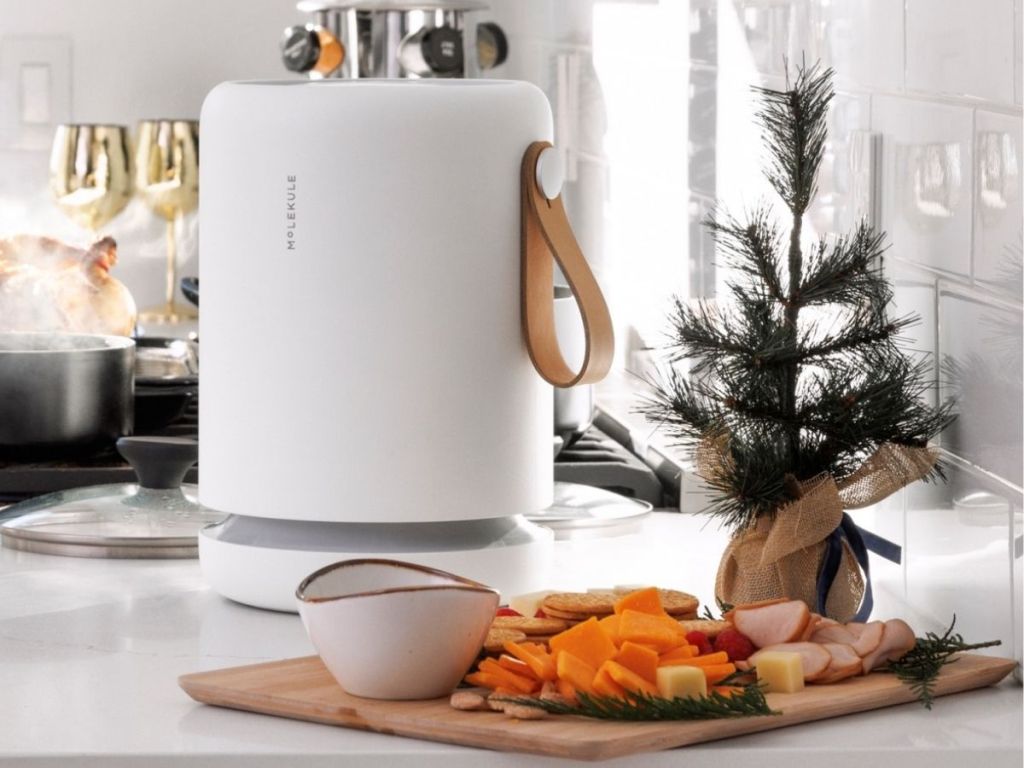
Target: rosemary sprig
x,y
919,666
722,606
746,703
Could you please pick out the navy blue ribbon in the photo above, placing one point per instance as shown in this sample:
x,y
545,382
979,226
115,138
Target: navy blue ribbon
x,y
861,542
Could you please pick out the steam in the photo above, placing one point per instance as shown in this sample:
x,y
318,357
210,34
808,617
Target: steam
x,y
140,233
46,285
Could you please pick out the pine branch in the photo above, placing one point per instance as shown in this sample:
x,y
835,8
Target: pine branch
x,y
703,333
779,395
794,124
920,666
682,406
847,273
865,328
750,248
749,701
751,479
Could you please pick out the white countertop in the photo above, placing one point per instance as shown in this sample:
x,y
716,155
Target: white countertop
x,y
90,651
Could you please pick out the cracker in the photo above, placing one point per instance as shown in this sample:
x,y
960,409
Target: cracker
x,y
587,604
710,627
566,615
530,626
524,712
582,604
678,603
496,639
467,701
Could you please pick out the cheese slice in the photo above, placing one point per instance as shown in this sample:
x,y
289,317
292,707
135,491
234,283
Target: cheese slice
x,y
783,671
528,604
681,682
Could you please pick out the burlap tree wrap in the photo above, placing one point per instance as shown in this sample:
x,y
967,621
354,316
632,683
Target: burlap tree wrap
x,y
781,554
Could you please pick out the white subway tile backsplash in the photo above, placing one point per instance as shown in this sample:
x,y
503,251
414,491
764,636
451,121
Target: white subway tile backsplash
x,y
997,202
703,26
701,249
835,209
961,48
702,128
863,42
927,167
1018,49
980,353
776,31
1016,553
915,292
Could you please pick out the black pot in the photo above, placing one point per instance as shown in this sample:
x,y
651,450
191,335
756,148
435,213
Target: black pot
x,y
64,390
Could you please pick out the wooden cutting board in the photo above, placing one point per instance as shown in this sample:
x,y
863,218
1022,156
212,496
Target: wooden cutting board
x,y
303,689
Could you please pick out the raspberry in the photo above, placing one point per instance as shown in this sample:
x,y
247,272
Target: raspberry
x,y
700,640
735,644
508,612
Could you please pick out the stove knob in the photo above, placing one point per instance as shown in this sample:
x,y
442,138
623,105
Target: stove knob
x,y
442,51
300,48
311,49
491,45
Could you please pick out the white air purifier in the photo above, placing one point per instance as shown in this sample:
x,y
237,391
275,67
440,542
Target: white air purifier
x,y
376,349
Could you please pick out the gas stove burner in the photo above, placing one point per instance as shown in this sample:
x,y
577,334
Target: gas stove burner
x,y
598,460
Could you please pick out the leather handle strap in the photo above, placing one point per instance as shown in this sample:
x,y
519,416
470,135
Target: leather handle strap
x,y
546,234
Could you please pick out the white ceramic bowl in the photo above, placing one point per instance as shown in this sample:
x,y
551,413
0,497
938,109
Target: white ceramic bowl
x,y
392,630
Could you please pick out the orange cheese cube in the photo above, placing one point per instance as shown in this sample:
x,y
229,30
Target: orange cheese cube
x,y
605,686
639,659
628,679
660,632
610,624
575,671
643,600
679,652
587,641
540,662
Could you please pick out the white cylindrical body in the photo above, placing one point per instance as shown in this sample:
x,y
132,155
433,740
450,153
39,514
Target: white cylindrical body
x,y
363,358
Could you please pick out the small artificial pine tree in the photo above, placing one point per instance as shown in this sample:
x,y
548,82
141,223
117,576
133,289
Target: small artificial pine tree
x,y
801,374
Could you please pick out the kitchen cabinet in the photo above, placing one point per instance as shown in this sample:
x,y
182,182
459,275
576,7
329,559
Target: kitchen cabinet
x,y
90,651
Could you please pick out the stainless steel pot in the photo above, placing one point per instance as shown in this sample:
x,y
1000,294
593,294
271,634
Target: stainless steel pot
x,y
392,38
64,390
574,406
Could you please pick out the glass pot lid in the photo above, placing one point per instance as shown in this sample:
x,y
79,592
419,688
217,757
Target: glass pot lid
x,y
157,517
581,511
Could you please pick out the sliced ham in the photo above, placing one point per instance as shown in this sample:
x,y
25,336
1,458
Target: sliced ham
x,y
815,657
867,636
897,639
812,625
845,663
728,615
772,623
833,633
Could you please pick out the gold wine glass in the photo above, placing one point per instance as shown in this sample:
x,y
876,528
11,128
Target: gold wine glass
x,y
91,173
167,178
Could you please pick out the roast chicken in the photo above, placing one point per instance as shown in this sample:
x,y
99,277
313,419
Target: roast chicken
x,y
47,285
